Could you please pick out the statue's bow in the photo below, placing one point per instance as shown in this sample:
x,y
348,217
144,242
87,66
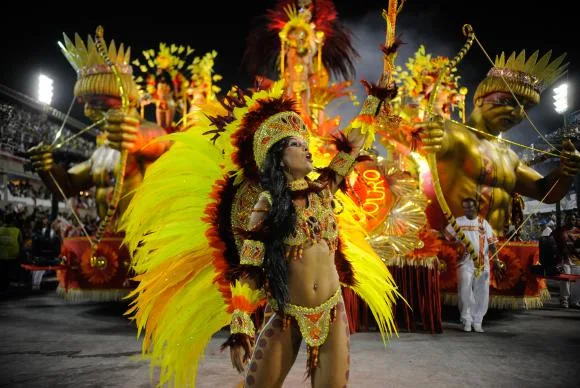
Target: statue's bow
x,y
432,156
120,176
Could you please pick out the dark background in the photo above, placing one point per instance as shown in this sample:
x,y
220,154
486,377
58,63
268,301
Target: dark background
x,y
29,45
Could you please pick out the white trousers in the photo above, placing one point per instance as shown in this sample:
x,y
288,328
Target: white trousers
x,y
570,290
37,279
472,292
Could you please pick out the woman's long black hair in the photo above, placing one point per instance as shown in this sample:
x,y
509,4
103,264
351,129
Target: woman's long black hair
x,y
280,221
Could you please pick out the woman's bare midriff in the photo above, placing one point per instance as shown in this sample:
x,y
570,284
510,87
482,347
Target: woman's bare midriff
x,y
313,278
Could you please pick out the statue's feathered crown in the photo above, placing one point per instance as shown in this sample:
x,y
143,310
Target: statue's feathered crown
x,y
94,76
526,77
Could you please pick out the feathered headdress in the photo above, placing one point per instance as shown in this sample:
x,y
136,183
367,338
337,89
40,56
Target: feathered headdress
x,y
254,122
168,59
526,78
203,76
313,18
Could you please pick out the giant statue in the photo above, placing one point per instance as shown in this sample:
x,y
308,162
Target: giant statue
x,y
474,160
104,79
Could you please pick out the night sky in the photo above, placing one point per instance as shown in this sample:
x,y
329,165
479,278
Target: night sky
x,y
500,25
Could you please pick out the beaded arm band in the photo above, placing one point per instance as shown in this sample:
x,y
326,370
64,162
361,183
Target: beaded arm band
x,y
252,253
245,300
242,323
366,120
370,106
342,163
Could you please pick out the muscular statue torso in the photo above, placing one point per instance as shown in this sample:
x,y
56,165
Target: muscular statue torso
x,y
473,161
103,166
480,167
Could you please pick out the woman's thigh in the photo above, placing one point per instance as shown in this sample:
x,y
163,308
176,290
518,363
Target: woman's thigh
x,y
334,355
274,354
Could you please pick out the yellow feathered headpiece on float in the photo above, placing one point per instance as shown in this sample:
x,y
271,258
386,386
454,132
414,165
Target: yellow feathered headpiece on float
x,y
169,59
203,76
525,77
416,83
94,76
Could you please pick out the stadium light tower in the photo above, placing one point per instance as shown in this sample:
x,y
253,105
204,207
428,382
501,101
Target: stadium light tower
x,y
561,106
45,89
561,100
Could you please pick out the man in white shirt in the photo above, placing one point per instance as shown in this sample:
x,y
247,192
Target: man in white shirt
x,y
472,291
548,229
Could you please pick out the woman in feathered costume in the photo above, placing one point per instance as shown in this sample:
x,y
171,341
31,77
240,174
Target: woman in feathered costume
x,y
305,43
193,279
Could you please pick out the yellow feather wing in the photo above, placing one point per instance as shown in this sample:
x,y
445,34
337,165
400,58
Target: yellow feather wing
x,y
176,305
372,280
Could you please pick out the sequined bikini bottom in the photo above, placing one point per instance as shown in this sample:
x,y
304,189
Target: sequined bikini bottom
x,y
314,323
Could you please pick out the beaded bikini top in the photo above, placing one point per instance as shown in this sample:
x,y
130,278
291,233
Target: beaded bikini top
x,y
315,221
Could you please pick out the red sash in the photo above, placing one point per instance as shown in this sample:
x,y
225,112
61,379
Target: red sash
x,y
481,242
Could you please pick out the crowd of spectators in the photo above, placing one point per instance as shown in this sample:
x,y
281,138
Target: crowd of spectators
x,y
28,233
540,225
29,236
31,221
535,155
21,129
22,188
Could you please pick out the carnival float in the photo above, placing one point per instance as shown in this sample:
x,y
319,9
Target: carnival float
x,y
96,267
401,199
